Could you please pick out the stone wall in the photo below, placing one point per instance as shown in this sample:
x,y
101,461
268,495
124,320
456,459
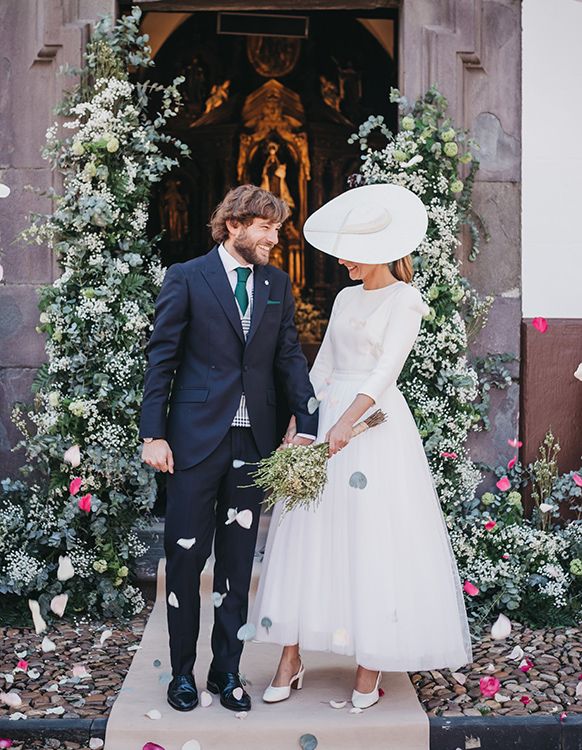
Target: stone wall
x,y
36,38
472,50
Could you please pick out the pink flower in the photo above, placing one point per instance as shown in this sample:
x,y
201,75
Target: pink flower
x,y
22,664
526,664
503,484
75,485
490,525
525,699
489,686
577,479
514,443
446,454
505,555
152,746
5,743
85,503
563,715
470,588
512,463
540,324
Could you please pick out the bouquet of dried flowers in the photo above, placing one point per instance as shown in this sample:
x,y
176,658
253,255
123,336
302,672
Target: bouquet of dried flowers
x,y
297,474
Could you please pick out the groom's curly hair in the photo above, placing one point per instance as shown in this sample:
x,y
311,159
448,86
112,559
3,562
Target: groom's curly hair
x,y
241,205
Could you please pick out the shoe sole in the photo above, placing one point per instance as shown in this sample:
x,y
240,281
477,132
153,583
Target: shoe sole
x,y
212,688
178,708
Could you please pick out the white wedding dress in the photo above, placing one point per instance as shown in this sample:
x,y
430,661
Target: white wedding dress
x,y
370,571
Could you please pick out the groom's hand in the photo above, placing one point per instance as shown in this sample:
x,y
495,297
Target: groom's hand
x,y
158,454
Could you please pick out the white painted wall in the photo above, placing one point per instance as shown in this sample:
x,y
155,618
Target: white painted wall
x,y
552,159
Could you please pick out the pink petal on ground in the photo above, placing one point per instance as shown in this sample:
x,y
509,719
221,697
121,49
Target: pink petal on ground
x,y
540,324
525,699
447,454
22,664
505,555
5,743
514,443
152,746
470,588
490,525
526,664
577,479
562,716
59,603
75,485
503,484
512,463
85,503
489,686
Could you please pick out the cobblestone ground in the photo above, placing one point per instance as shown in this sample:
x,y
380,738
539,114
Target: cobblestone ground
x,y
539,672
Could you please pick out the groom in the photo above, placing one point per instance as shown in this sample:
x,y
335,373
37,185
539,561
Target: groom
x,y
223,333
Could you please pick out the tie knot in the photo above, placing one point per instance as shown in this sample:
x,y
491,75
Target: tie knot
x,y
243,273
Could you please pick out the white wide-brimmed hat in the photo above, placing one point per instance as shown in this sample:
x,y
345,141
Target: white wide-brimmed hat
x,y
369,224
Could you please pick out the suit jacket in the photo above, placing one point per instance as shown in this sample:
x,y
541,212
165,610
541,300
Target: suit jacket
x,y
199,363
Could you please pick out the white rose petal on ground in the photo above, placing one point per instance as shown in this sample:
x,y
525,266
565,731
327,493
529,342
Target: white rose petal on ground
x,y
57,710
80,670
54,688
11,699
191,745
205,699
578,372
173,600
105,635
9,678
17,716
59,604
246,632
47,645
500,698
241,715
579,690
39,623
517,653
355,710
187,543
65,570
153,714
4,190
237,693
34,674
501,628
95,743
547,507
338,704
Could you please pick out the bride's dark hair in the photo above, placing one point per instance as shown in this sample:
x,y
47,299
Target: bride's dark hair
x,y
402,269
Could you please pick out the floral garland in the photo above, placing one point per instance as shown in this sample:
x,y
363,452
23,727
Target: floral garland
x,y
72,532
439,382
529,567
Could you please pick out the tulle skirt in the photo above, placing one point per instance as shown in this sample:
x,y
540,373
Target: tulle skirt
x,y
370,571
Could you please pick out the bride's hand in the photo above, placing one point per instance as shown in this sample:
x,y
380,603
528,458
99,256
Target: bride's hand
x,y
338,437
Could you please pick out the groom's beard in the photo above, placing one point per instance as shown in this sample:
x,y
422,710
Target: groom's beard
x,y
250,252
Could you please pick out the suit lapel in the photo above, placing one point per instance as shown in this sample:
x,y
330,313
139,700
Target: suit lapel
x,y
217,280
260,297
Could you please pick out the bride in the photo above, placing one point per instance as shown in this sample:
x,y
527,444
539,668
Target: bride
x,y
370,572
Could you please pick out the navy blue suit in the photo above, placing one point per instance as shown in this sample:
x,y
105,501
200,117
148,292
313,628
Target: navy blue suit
x,y
199,364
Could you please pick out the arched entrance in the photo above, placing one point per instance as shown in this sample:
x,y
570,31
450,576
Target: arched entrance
x,y
273,108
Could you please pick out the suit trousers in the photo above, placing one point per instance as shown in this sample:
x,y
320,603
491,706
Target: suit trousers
x,y
198,500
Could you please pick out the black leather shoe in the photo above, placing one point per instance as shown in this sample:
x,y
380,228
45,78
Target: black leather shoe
x,y
226,683
182,693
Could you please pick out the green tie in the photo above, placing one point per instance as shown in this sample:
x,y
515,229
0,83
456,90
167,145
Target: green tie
x,y
240,290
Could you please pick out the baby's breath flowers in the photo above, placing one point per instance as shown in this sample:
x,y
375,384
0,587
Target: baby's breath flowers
x,y
297,474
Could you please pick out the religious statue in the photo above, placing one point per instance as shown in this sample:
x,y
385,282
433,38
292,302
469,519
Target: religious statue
x,y
195,86
330,93
218,95
274,175
174,211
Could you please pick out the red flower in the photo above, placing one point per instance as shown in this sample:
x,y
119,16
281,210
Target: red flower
x,y
490,525
75,485
85,503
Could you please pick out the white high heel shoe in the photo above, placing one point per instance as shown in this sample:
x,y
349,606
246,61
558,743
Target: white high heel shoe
x,y
365,700
275,694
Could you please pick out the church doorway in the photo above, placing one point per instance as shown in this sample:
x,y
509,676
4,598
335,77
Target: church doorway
x,y
270,98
